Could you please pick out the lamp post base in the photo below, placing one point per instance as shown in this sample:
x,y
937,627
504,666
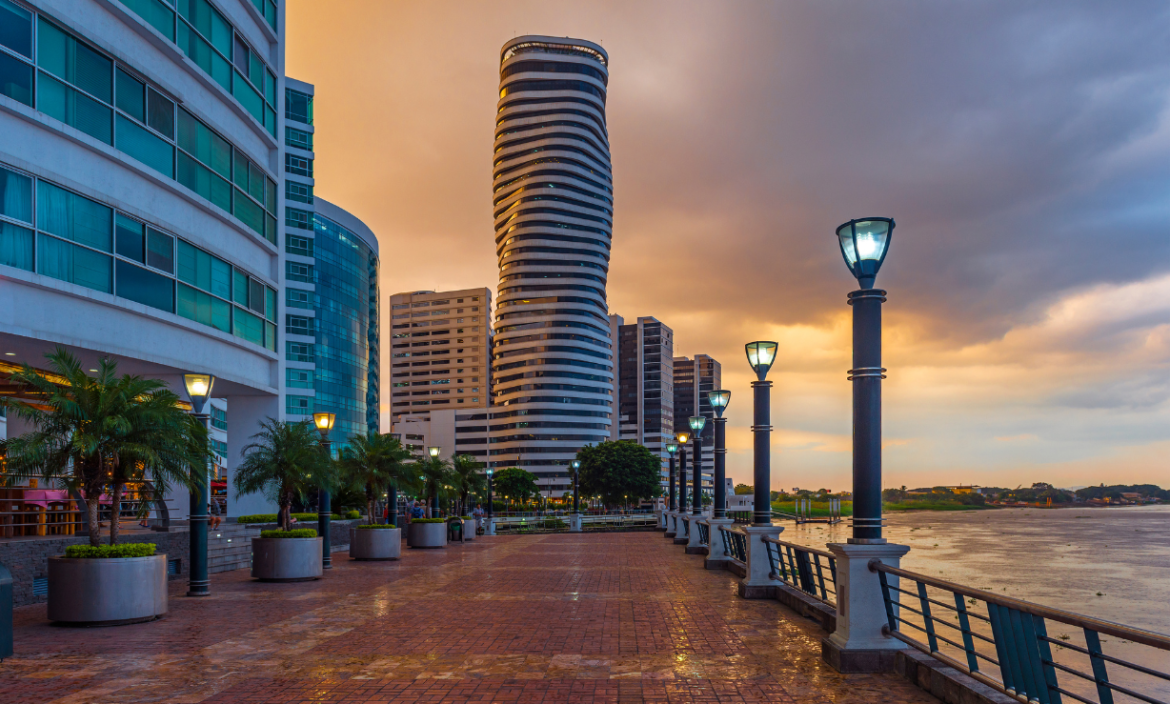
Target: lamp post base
x,y
757,584
858,644
489,527
575,523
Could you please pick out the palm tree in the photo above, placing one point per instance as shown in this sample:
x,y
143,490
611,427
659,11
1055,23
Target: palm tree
x,y
467,479
105,430
374,462
284,461
435,475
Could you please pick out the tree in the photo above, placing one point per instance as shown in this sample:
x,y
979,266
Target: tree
x,y
515,483
105,430
743,489
374,462
615,470
284,461
436,476
467,478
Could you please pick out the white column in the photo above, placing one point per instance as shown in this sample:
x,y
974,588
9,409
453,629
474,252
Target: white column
x,y
694,547
668,518
574,523
858,644
758,581
715,557
245,414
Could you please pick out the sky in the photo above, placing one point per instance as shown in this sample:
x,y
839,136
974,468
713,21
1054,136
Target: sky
x,y
1022,147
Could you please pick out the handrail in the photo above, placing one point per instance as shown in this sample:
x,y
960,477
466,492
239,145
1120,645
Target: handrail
x,y
734,543
1150,638
790,563
805,548
1023,650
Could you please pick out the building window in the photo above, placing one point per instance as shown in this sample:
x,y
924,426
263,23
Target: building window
x,y
299,352
298,165
299,405
299,192
298,139
299,272
299,378
218,418
298,106
298,325
297,298
301,246
300,219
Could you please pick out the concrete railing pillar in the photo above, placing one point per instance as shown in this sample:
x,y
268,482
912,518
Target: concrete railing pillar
x,y
668,521
575,523
683,528
694,537
858,644
716,559
757,583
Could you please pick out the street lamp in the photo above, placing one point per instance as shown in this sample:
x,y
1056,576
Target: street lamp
x,y
576,471
199,388
324,423
719,400
434,453
864,244
697,424
682,470
760,356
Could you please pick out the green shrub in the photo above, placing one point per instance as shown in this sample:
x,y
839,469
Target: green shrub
x,y
271,517
351,515
466,518
294,533
367,526
428,520
123,550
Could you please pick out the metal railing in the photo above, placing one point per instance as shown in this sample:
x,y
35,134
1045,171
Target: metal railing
x,y
734,544
704,534
1012,635
804,568
740,516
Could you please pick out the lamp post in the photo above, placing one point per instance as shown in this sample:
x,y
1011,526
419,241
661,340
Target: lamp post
x,y
491,526
679,531
672,490
434,453
198,584
324,422
760,356
719,400
864,244
697,424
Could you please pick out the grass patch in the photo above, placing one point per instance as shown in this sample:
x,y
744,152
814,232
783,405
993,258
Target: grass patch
x,y
428,520
294,533
103,551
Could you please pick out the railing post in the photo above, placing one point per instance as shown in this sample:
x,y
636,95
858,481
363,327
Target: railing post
x,y
716,559
858,644
757,583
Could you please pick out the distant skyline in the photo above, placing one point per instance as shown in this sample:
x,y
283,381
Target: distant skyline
x,y
1023,151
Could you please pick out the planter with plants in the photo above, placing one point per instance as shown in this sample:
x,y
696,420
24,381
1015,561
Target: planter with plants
x,y
285,461
107,585
428,533
97,435
286,555
375,542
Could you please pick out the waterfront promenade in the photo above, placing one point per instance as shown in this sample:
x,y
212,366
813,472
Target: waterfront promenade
x,y
618,617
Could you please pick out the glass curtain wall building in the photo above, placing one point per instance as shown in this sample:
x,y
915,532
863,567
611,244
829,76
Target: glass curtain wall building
x,y
331,328
139,193
553,356
693,380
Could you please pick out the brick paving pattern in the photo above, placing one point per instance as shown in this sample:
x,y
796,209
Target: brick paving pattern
x,y
621,617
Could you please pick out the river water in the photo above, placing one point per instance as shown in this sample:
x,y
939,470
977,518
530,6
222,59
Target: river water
x,y
1057,557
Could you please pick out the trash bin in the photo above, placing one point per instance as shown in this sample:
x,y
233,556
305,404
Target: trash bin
x,y
454,530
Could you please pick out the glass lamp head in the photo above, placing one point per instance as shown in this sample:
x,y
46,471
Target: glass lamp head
x,y
864,244
490,471
434,451
719,400
672,449
682,438
324,422
697,424
761,355
576,464
198,390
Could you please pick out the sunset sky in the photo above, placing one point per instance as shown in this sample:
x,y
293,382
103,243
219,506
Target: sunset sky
x,y
1023,148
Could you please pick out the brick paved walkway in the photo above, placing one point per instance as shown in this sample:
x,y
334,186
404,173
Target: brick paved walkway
x,y
623,617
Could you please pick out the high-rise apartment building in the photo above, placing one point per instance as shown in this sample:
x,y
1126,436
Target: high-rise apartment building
x,y
693,379
553,356
440,342
141,185
331,341
645,405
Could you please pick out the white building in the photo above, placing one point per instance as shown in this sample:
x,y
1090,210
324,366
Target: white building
x,y
141,183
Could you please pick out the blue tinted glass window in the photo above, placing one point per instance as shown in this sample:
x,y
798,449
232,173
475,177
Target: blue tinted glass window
x,y
146,146
16,78
248,326
130,238
131,97
75,62
73,217
145,287
16,246
16,28
15,196
68,262
160,251
75,109
299,378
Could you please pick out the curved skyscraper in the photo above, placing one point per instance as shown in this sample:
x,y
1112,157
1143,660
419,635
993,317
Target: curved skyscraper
x,y
553,357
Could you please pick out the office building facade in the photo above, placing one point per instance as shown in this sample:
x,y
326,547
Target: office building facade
x,y
553,355
140,186
645,403
331,302
694,378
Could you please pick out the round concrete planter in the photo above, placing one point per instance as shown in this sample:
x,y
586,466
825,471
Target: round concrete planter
x,y
428,535
375,543
107,591
286,559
